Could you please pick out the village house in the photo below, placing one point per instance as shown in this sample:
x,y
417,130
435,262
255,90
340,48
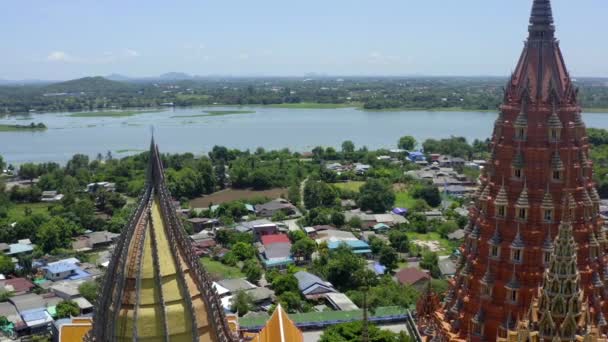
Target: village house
x,y
413,277
94,241
340,302
202,223
51,196
269,209
312,287
106,186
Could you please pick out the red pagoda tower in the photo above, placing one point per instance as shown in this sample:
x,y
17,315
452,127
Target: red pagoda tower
x,y
539,154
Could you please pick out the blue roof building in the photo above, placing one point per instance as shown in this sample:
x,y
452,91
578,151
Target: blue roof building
x,y
357,246
64,269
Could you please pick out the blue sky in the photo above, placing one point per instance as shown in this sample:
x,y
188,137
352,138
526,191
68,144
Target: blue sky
x,y
63,39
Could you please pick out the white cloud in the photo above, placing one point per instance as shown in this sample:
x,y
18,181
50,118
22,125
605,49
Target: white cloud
x,y
378,58
131,53
105,57
59,56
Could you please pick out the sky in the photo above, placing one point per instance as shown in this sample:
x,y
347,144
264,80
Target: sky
x,y
64,39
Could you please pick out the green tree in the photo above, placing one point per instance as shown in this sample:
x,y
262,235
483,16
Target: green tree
x,y
304,248
376,244
446,228
5,296
241,303
89,290
2,164
6,265
348,147
337,218
342,267
56,233
376,195
399,241
67,308
351,332
389,258
243,251
407,142
28,171
284,283
293,194
291,301
428,193
319,194
252,271
430,262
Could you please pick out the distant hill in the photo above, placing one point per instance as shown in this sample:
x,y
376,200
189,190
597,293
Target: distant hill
x,y
175,76
95,84
118,77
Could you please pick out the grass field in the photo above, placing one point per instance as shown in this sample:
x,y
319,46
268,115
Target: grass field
x,y
403,199
312,105
446,246
21,128
111,114
219,271
17,211
352,186
229,195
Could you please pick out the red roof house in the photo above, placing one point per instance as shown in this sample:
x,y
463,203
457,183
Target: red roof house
x,y
17,285
412,276
274,238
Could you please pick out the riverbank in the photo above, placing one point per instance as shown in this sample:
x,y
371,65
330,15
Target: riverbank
x,y
23,128
301,105
112,114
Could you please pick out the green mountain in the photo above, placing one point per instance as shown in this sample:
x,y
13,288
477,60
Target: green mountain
x,y
95,84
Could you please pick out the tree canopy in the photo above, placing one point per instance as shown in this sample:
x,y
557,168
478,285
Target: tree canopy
x,y
376,195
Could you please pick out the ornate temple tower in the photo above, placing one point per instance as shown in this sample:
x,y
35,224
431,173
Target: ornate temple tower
x,y
560,312
539,152
155,289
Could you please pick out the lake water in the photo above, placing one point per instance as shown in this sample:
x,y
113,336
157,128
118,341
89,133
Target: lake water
x,y
271,128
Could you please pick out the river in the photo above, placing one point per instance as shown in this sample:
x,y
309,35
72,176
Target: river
x,y
271,128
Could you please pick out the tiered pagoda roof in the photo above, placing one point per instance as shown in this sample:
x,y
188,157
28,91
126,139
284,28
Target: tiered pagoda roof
x,y
539,153
560,312
155,289
279,328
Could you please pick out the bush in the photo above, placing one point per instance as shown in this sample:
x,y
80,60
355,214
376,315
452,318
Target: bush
x,y
67,308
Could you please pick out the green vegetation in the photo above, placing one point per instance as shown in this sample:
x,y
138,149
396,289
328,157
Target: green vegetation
x,y
20,211
403,199
402,94
221,271
351,332
111,114
376,195
89,290
313,105
350,186
67,308
20,128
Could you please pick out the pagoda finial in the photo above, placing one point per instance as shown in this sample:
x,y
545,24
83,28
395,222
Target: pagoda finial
x,y
541,20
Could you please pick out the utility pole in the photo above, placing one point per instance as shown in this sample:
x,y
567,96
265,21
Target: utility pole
x,y
365,332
